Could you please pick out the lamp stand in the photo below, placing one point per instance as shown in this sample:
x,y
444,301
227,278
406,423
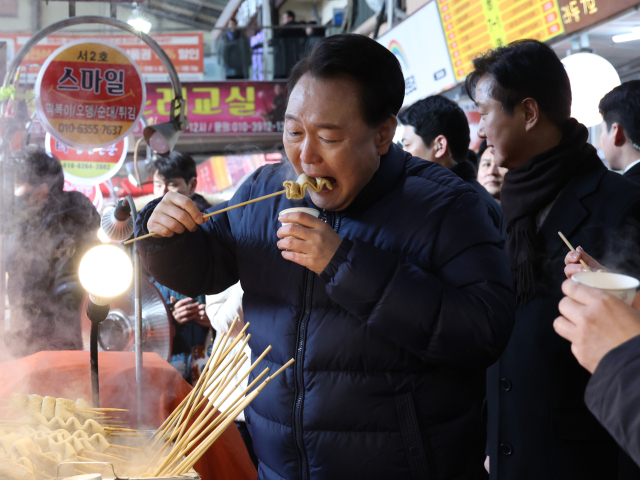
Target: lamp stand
x,y
97,314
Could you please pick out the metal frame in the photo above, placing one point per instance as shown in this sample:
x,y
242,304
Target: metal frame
x,y
181,120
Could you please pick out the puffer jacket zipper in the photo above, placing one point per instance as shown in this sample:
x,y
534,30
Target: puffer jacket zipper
x,y
298,366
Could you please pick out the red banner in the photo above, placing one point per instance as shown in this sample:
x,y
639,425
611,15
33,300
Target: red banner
x,y
222,108
186,51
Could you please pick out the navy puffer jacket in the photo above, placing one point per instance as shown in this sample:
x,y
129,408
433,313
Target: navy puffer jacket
x,y
391,342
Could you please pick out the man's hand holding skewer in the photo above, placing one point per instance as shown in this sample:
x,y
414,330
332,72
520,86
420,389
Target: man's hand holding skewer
x,y
174,214
311,243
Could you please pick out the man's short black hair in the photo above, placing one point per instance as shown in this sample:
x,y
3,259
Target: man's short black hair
x,y
375,69
525,69
437,115
34,166
622,106
291,14
176,165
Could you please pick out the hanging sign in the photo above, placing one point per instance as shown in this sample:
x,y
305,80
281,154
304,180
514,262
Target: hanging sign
x,y
89,94
88,167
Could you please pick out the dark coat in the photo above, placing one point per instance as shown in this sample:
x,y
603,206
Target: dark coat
x,y
467,172
391,342
614,398
42,264
633,173
539,426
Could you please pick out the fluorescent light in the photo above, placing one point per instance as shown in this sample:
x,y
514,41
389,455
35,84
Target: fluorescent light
x,y
627,37
139,23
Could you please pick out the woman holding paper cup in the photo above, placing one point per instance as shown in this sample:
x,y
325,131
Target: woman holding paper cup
x,y
602,322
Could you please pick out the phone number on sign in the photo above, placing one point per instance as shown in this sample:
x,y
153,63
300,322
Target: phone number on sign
x,y
90,129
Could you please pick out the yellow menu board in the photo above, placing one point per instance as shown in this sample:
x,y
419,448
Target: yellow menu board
x,y
471,27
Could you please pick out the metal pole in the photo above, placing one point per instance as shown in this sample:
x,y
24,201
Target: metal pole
x,y
390,14
138,333
267,36
93,351
137,285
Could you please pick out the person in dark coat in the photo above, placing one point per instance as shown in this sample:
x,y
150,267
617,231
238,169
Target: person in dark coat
x,y
620,129
234,51
436,129
53,230
538,424
389,308
605,338
190,323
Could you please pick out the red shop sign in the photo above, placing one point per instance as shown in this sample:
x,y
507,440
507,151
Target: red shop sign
x,y
89,94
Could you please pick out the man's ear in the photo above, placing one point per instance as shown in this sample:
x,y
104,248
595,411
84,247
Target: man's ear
x,y
191,186
530,111
385,134
619,137
440,145
39,194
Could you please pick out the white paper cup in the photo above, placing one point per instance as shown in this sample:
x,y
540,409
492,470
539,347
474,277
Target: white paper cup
x,y
621,286
310,211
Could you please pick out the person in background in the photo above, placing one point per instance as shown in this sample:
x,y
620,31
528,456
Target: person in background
x,y
177,173
620,129
53,230
288,43
390,309
436,129
222,309
234,50
605,338
490,175
538,424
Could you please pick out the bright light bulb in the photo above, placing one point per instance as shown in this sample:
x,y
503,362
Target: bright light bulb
x,y
140,24
592,77
158,143
132,180
105,271
103,236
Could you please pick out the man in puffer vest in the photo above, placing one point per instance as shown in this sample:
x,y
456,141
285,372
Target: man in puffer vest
x,y
392,303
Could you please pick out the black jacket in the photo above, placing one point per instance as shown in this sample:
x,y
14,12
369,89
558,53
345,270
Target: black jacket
x,y
539,426
390,342
633,174
613,395
467,172
42,265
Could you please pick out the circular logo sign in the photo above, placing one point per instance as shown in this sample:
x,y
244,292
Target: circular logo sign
x,y
88,167
89,94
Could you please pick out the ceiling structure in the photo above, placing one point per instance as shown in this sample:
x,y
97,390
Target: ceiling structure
x,y
623,56
200,14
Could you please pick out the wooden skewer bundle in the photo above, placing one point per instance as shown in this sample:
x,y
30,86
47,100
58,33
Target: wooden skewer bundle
x,y
199,420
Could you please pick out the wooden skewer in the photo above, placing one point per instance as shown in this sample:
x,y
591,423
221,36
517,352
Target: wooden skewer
x,y
194,456
118,429
202,420
131,449
584,264
186,434
223,421
126,434
82,410
216,212
176,417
